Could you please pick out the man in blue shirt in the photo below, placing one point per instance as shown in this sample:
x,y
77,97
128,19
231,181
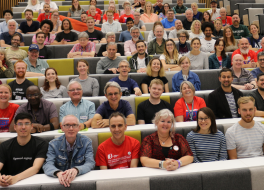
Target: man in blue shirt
x,y
259,69
125,82
169,22
29,26
113,93
125,35
8,14
84,110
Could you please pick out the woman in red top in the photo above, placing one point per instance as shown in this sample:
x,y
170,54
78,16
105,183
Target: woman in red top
x,y
94,3
165,149
116,15
127,14
186,108
92,13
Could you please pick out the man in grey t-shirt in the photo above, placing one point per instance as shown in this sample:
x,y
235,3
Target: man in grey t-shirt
x,y
139,23
245,139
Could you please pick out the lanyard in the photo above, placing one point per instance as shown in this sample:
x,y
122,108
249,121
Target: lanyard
x,y
190,112
225,22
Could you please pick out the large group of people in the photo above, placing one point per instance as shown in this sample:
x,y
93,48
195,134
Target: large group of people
x,y
199,42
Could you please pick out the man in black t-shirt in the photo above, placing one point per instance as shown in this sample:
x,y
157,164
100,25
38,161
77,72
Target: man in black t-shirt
x,y
146,110
187,22
20,84
94,35
29,26
44,52
66,36
22,156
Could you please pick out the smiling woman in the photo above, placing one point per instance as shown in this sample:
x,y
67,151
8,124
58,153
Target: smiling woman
x,y
6,67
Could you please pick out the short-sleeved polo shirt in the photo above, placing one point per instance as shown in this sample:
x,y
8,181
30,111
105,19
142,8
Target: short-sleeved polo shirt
x,y
7,37
41,66
244,78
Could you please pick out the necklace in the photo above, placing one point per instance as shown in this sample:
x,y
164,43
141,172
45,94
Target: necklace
x,y
163,142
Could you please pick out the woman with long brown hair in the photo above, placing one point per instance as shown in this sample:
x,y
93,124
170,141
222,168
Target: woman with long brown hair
x,y
230,41
75,10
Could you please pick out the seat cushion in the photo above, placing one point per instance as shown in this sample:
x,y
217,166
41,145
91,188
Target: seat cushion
x,y
62,66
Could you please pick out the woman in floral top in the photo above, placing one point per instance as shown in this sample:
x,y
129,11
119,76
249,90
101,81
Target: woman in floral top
x,y
46,26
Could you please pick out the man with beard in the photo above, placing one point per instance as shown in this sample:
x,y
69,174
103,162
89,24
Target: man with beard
x,y
129,46
249,56
139,61
180,8
223,100
207,43
14,53
125,35
260,69
44,52
29,26
95,36
239,30
258,95
46,14
84,17
20,84
245,139
125,82
173,33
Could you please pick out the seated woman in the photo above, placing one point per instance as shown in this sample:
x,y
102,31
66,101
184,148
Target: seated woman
x,y
207,143
94,3
75,10
186,108
55,18
149,16
199,60
196,14
230,41
90,85
164,148
116,15
7,109
163,14
170,57
92,13
185,75
154,70
255,39
6,67
151,35
84,48
219,59
218,32
183,46
196,31
123,17
46,26
52,87
206,17
124,5
33,5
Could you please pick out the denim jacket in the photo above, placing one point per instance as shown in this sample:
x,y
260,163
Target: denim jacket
x,y
57,157
177,79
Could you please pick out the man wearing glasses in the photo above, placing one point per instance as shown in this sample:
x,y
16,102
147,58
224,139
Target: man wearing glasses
x,y
22,156
169,22
129,46
259,69
43,112
113,93
84,110
14,53
71,154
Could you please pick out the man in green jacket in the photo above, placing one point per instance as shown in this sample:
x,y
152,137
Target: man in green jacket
x,y
239,30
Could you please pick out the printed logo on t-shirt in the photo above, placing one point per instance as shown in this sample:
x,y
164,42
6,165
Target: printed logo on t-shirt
x,y
22,158
187,116
129,153
110,156
4,123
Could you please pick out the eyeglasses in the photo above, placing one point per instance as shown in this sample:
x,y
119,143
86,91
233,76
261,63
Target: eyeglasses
x,y
55,15
111,94
203,119
74,126
124,66
113,37
33,95
169,44
20,124
16,40
77,89
182,36
261,60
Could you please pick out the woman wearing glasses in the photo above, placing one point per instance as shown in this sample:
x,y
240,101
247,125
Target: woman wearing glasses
x,y
183,46
207,143
55,18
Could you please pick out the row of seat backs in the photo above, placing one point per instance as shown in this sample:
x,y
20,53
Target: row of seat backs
x,y
261,23
242,9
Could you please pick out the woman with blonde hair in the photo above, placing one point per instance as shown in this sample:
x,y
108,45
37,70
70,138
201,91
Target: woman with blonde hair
x,y
116,15
149,16
154,70
230,41
196,31
196,14
55,18
170,57
127,14
92,13
6,67
75,10
151,35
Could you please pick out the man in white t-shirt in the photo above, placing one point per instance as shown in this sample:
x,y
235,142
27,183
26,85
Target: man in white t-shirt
x,y
214,12
245,139
207,43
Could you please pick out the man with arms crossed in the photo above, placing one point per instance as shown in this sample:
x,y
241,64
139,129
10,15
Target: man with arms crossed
x,y
124,147
22,156
245,139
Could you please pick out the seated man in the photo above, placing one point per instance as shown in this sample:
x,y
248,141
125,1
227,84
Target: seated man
x,y
21,156
113,93
173,33
20,84
259,69
239,30
46,15
36,66
5,37
179,8
125,35
157,45
66,36
223,100
95,36
187,22
109,64
110,37
245,138
83,109
249,56
29,26
84,17
208,43
110,25
214,12
146,110
158,6
139,23
70,148
129,46
125,82
119,144
44,52
226,20
44,113
243,79
8,14
262,45
14,53
139,61
169,22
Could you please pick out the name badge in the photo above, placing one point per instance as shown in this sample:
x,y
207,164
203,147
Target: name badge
x,y
18,98
83,117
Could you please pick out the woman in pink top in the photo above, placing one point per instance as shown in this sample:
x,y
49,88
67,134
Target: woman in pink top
x,y
149,16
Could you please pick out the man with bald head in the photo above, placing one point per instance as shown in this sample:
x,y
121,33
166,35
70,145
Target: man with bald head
x,y
189,19
173,33
43,112
226,20
262,45
249,56
243,79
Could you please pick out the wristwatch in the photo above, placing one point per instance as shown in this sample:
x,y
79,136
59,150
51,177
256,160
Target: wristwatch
x,y
84,126
161,164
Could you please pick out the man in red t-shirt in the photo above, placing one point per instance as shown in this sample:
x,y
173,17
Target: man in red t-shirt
x,y
262,45
119,151
46,15
226,20
250,57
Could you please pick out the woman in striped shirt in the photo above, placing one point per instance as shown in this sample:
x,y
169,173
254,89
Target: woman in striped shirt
x,y
206,142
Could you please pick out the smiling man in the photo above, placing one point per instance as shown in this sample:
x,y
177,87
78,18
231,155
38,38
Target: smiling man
x,y
239,30
245,139
208,43
223,100
129,46
14,53
259,69
111,25
125,35
113,93
44,52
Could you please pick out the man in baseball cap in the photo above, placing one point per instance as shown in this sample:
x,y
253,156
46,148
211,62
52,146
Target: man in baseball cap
x,y
214,12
